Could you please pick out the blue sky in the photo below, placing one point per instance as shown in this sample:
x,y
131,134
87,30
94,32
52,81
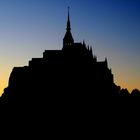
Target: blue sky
x,y
112,27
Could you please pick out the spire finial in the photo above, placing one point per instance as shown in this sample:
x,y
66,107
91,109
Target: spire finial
x,y
68,11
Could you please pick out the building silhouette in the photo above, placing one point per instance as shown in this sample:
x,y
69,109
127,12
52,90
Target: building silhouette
x,y
68,76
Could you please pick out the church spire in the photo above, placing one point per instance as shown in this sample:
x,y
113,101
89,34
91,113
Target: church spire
x,y
68,22
68,39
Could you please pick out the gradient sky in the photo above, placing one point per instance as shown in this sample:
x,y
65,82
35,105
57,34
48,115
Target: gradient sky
x,y
112,27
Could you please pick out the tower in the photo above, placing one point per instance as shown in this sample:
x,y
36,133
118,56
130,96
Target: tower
x,y
68,39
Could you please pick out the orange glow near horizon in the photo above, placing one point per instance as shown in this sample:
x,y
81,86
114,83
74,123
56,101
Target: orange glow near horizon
x,y
4,80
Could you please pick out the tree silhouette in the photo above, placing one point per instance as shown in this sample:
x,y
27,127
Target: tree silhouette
x,y
124,92
135,92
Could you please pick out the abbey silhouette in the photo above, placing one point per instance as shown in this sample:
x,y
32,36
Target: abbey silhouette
x,y
70,75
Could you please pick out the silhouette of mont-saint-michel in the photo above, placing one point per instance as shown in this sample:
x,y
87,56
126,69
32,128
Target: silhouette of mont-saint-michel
x,y
68,76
